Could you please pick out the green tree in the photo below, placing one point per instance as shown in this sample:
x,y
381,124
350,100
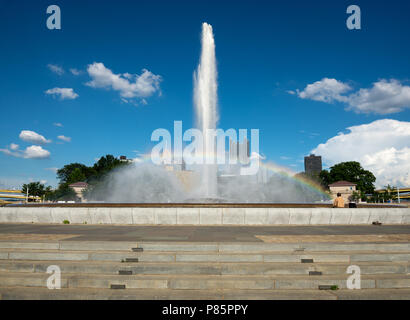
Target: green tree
x,y
34,189
355,196
324,177
350,171
65,172
75,172
390,192
76,175
63,193
106,163
37,189
71,172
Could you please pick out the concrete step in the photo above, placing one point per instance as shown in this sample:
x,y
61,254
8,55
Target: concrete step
x,y
221,247
201,282
152,256
258,268
20,293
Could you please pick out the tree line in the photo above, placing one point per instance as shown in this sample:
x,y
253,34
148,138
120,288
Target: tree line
x,y
72,173
352,171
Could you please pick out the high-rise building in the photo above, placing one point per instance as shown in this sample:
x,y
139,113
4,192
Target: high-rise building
x,y
313,164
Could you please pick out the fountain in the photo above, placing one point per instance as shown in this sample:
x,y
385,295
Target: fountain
x,y
205,100
149,183
144,193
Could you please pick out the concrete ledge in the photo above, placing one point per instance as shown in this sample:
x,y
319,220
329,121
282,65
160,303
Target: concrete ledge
x,y
57,215
340,216
360,216
205,216
233,216
321,216
100,215
121,216
210,216
143,216
188,216
300,216
256,216
80,216
278,216
165,215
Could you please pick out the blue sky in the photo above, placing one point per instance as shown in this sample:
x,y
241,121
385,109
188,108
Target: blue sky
x,y
268,52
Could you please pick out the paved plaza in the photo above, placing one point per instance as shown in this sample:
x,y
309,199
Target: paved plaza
x,y
199,233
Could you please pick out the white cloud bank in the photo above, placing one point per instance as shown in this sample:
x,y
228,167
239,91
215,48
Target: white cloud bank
x,y
384,97
36,152
32,152
382,146
62,93
325,90
64,138
56,69
33,137
128,85
75,71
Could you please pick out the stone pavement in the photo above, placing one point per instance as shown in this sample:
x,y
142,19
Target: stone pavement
x,y
203,262
370,233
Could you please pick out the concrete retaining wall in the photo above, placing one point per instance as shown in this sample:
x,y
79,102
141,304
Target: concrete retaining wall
x,y
206,216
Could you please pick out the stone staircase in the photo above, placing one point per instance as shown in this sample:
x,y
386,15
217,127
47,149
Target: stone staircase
x,y
193,270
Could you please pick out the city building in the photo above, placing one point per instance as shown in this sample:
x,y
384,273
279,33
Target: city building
x,y
78,188
345,188
313,164
124,159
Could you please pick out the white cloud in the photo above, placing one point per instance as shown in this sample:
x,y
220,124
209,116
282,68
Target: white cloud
x,y
384,97
53,169
64,138
32,152
35,152
57,124
14,146
128,85
33,137
325,90
382,146
56,69
11,153
64,93
75,71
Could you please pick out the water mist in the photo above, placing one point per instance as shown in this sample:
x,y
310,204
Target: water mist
x,y
205,100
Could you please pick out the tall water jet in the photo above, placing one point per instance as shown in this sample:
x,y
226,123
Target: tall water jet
x,y
205,100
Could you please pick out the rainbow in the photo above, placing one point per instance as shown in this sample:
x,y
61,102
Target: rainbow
x,y
291,175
